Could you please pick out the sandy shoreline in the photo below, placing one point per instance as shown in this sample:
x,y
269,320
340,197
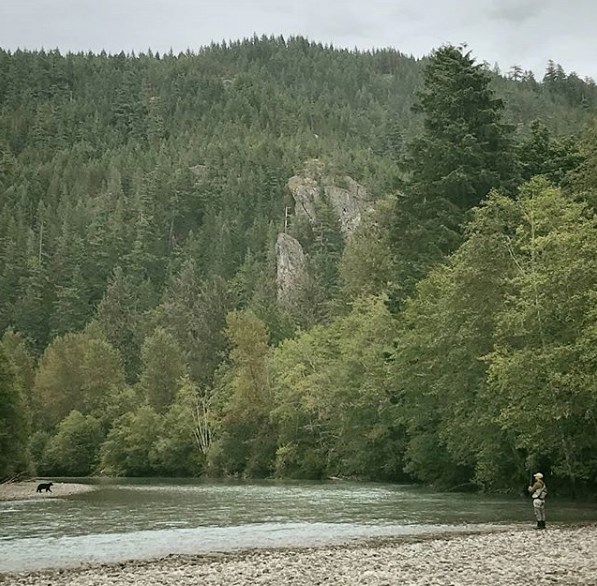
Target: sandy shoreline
x,y
516,556
13,491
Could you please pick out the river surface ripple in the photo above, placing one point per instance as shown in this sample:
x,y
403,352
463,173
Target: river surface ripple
x,y
147,518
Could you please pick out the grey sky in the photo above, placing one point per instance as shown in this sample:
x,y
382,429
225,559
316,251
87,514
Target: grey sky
x,y
509,32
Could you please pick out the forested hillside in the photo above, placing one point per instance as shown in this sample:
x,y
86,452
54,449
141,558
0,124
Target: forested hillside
x,y
449,339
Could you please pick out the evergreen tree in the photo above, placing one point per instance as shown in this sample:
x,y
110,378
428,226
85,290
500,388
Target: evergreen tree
x,y
118,319
367,266
24,366
584,178
14,423
543,154
162,367
464,150
32,308
71,308
173,169
195,312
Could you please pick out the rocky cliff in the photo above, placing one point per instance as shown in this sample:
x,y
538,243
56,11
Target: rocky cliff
x,y
292,275
309,189
348,199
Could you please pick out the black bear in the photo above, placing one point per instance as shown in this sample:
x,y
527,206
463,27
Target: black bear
x,y
44,486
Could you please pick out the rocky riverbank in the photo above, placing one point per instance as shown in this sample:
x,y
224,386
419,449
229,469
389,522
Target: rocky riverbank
x,y
517,556
16,491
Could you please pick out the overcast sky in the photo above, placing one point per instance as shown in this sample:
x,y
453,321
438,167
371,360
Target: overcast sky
x,y
509,32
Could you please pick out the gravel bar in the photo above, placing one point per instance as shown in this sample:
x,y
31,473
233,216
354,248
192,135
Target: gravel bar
x,y
16,491
515,556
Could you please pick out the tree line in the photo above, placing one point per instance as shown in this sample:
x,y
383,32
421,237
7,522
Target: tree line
x,y
449,341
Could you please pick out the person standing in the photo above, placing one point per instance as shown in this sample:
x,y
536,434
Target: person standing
x,y
538,492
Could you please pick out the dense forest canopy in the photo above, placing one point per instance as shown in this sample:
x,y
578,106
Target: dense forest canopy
x,y
446,336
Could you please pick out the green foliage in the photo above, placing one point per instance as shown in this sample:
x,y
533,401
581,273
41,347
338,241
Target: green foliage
x,y
325,254
143,162
76,372
542,154
542,369
333,407
129,446
367,267
437,364
37,444
584,178
162,368
74,450
142,442
118,318
31,308
494,360
14,423
464,150
244,439
185,435
569,86
195,312
15,347
141,198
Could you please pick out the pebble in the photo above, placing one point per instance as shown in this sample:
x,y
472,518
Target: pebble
x,y
558,555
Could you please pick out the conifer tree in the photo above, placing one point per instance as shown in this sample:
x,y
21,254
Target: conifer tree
x,y
463,151
162,368
117,316
543,154
14,422
31,309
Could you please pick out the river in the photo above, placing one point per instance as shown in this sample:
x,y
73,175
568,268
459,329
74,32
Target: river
x,y
146,518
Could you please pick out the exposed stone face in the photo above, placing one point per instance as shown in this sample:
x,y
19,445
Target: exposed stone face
x,y
348,199
306,194
349,203
291,268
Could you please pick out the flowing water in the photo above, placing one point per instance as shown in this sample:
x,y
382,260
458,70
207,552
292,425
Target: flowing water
x,y
142,519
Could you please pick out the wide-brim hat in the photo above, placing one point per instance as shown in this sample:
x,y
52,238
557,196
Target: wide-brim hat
x,y
538,475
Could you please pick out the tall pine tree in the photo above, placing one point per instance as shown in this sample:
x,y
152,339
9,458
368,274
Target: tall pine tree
x,y
463,151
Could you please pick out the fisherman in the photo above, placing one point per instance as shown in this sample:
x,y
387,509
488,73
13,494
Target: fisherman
x,y
538,492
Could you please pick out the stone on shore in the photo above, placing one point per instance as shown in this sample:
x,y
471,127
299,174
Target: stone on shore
x,y
565,555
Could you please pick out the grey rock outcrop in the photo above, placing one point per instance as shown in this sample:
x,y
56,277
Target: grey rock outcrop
x,y
348,199
349,203
306,194
310,189
292,276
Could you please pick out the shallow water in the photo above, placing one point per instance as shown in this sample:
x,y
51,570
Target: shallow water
x,y
141,519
